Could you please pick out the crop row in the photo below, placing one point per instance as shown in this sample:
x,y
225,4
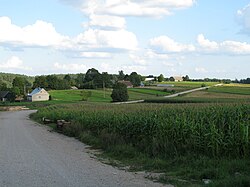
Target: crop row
x,y
218,130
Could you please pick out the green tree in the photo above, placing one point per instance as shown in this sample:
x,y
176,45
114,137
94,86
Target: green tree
x,y
121,75
52,81
40,81
79,80
91,74
160,78
186,78
171,79
19,82
119,93
67,77
126,77
3,86
16,91
68,80
135,79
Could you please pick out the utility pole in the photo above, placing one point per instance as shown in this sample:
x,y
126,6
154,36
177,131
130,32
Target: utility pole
x,y
103,85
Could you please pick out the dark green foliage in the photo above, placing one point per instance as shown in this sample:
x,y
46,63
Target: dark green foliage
x,y
8,78
119,93
160,78
121,75
135,79
79,80
91,75
20,83
171,79
40,81
186,78
3,86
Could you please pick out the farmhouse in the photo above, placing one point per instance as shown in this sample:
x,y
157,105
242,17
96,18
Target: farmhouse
x,y
178,78
150,78
38,94
127,83
5,96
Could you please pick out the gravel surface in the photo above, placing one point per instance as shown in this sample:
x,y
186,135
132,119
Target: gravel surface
x,y
31,155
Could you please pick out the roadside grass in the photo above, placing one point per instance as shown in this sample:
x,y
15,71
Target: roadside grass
x,y
187,142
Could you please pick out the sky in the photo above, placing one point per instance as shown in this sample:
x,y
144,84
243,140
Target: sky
x,y
199,38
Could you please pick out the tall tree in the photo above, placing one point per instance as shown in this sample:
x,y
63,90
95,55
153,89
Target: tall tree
x,y
119,93
121,75
3,86
91,74
79,80
135,79
19,82
171,79
186,78
160,78
40,81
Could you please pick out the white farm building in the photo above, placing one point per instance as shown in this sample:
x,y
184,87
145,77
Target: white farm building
x,y
38,94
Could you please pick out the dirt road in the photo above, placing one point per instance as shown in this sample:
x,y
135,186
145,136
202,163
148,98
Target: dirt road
x,y
30,155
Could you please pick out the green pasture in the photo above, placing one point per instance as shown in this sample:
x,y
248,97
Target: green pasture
x,y
231,90
104,96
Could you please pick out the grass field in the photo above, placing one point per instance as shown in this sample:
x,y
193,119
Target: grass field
x,y
101,96
231,90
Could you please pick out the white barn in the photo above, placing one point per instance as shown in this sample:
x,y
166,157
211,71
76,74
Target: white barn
x,y
38,94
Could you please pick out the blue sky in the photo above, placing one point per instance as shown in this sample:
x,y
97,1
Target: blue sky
x,y
199,38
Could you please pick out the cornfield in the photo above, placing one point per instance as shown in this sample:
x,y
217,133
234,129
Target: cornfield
x,y
214,130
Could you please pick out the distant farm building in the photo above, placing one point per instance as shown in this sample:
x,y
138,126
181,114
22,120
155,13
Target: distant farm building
x,y
5,96
178,79
74,88
127,83
150,78
38,94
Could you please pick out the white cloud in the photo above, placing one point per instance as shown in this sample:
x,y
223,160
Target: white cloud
x,y
95,55
138,59
225,47
200,70
156,8
96,39
206,44
43,34
165,44
150,54
74,68
40,34
244,19
107,21
237,48
14,63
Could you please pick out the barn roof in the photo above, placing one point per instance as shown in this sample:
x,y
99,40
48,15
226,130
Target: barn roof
x,y
36,91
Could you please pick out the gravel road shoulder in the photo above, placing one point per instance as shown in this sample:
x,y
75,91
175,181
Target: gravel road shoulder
x,y
31,155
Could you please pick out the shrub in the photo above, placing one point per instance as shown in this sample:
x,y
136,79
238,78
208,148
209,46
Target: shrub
x,y
120,92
